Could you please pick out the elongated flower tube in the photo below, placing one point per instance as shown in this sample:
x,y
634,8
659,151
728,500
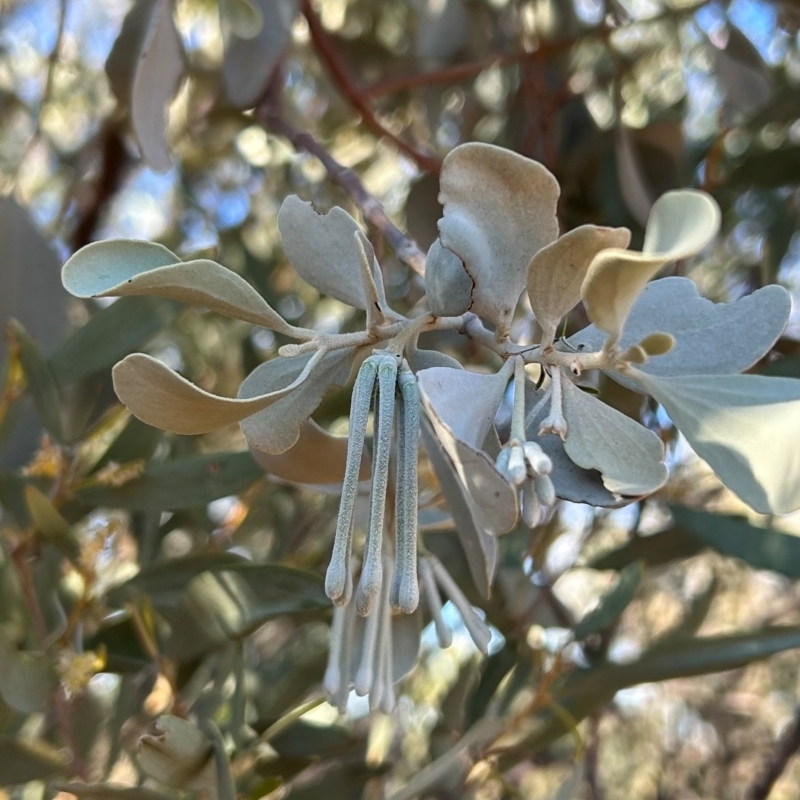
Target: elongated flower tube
x,y
370,655
404,594
435,577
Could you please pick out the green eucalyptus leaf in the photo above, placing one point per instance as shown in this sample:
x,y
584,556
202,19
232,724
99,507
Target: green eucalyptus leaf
x,y
762,548
49,522
652,551
612,604
223,605
41,382
111,334
21,762
586,690
181,483
27,679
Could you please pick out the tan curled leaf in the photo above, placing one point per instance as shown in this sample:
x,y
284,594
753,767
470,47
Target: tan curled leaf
x,y
710,338
158,396
277,428
627,455
681,224
121,267
571,482
460,423
745,426
245,17
499,210
556,272
250,62
448,287
145,67
480,548
180,756
316,459
323,250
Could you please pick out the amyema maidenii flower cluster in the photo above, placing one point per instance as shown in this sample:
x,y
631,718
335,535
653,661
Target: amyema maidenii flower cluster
x,y
498,239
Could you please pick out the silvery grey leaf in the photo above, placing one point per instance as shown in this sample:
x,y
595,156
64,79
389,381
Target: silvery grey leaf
x,y
275,429
479,547
322,248
571,481
745,426
627,455
499,210
710,338
448,287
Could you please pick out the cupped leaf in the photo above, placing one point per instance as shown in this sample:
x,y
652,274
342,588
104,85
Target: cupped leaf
x,y
322,248
571,482
745,426
611,604
249,62
277,428
160,397
461,406
762,548
480,548
316,459
627,455
710,338
121,267
180,483
466,402
145,67
448,286
681,224
556,272
499,210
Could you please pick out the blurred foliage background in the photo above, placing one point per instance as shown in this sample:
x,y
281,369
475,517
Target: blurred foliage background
x,y
118,540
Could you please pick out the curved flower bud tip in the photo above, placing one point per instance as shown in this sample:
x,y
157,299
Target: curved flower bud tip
x,y
435,577
370,654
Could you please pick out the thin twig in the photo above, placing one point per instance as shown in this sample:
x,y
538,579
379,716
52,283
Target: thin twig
x,y
406,249
785,748
591,757
60,701
345,84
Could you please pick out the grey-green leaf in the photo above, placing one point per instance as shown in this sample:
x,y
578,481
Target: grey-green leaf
x,y
180,483
762,548
612,604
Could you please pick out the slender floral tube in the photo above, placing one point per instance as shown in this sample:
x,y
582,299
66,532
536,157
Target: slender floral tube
x,y
478,629
333,674
338,579
434,601
371,570
387,699
545,489
366,670
405,586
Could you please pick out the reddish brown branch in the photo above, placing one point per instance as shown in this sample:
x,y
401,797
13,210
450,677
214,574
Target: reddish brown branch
x,y
405,248
345,84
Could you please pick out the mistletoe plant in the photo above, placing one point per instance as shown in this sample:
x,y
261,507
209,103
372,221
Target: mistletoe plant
x,y
498,239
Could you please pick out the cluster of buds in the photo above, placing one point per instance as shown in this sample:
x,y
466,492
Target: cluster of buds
x,y
528,467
